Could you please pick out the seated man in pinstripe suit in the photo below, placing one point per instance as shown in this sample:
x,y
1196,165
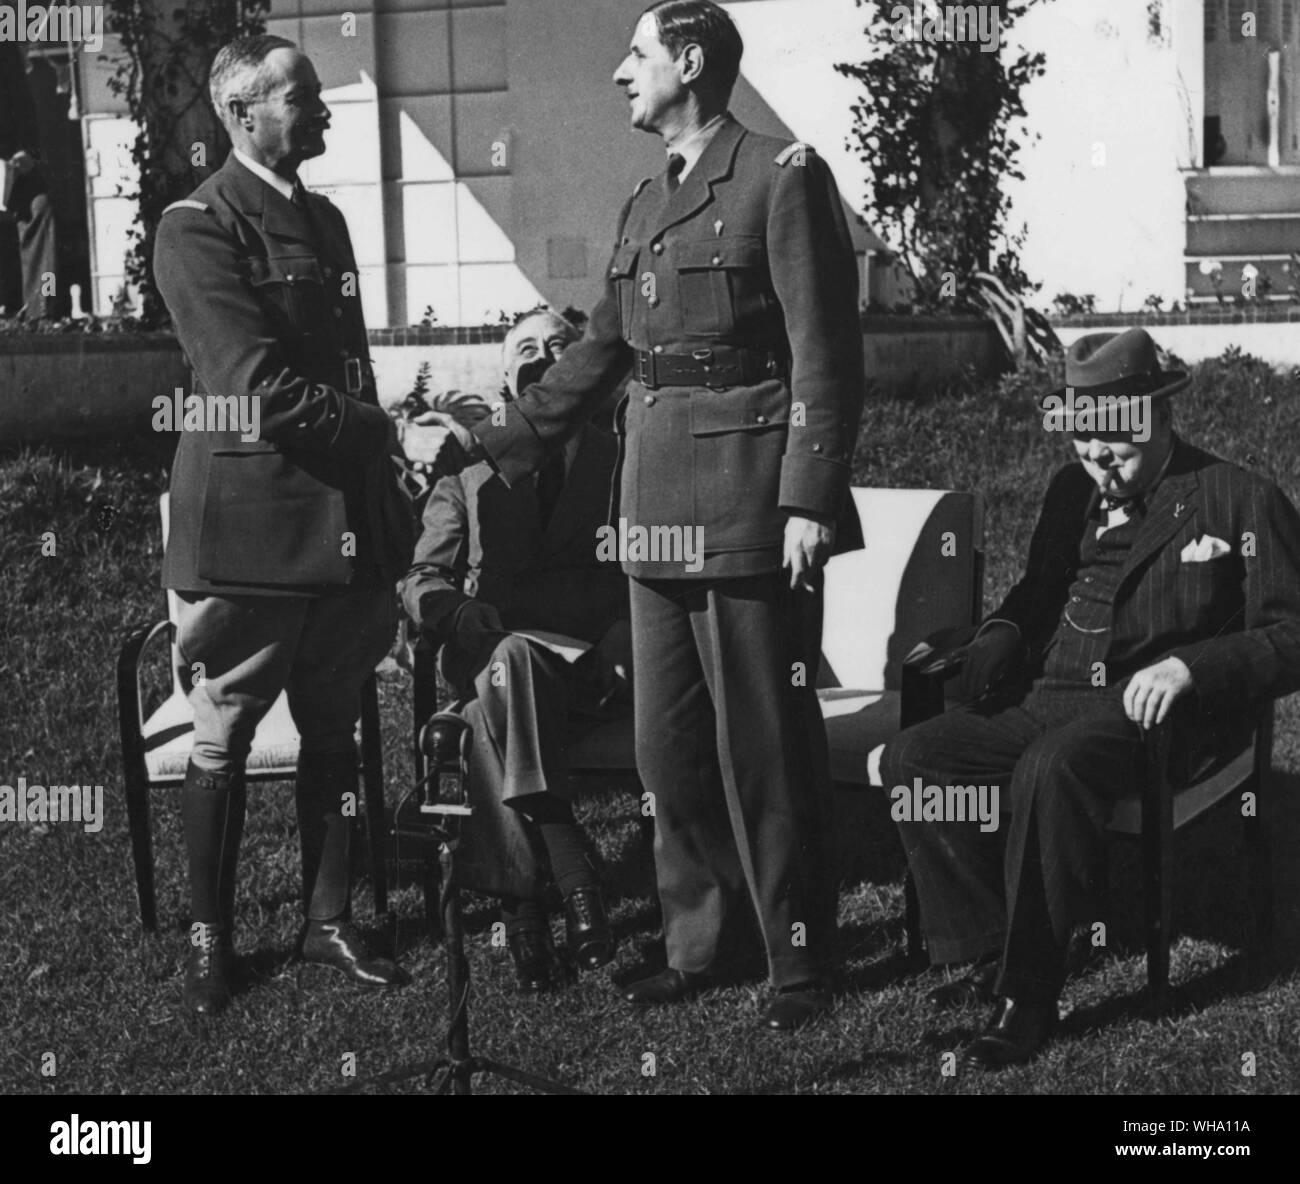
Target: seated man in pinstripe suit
x,y
1160,579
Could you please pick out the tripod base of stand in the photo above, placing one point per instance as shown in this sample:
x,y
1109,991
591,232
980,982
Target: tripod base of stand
x,y
453,1074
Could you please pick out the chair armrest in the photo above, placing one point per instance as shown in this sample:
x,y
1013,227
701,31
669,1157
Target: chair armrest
x,y
926,668
936,656
129,692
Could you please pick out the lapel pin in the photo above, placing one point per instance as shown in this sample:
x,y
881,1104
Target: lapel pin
x,y
717,227
1178,510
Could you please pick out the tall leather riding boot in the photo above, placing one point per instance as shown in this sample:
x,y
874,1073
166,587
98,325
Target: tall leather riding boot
x,y
212,817
325,832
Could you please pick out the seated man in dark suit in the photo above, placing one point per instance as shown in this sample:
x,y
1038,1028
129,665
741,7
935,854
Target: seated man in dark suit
x,y
1160,580
493,558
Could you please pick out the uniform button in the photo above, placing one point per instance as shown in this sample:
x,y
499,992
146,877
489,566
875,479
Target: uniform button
x,y
650,400
760,419
613,272
338,312
817,447
1076,599
653,302
626,240
329,272
659,349
288,279
657,248
716,260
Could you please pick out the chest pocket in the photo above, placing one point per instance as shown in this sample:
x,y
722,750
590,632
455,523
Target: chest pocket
x,y
622,275
291,288
722,285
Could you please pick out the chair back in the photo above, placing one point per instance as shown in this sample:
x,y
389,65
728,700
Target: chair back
x,y
922,570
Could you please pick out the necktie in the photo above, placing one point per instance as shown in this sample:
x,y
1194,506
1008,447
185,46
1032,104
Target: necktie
x,y
676,162
550,481
299,197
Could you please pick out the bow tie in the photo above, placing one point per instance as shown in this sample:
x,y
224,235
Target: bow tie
x,y
1130,505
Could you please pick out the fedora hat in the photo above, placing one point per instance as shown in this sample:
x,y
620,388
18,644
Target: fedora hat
x,y
1116,367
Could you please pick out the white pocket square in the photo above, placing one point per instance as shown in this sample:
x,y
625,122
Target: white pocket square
x,y
1204,549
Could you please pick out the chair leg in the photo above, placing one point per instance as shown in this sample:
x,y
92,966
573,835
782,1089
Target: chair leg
x,y
912,919
372,776
1259,869
1157,866
137,816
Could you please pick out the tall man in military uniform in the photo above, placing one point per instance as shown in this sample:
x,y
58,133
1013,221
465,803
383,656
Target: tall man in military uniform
x,y
280,550
733,296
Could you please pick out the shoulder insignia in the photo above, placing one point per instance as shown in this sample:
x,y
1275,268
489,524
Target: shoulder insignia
x,y
188,204
788,153
637,191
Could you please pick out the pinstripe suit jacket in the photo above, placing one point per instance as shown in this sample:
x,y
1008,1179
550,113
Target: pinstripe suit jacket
x,y
1234,620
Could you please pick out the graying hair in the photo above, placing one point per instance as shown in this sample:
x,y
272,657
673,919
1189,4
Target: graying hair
x,y
570,329
238,70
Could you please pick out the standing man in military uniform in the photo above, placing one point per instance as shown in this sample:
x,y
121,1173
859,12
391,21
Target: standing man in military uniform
x,y
733,296
280,550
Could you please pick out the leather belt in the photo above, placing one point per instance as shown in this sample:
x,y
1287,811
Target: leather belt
x,y
712,366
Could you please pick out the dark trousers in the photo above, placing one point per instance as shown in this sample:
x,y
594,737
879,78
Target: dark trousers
x,y
30,285
730,741
1060,761
525,706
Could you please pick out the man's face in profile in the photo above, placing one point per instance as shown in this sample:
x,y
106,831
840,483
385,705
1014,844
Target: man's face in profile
x,y
649,77
290,119
532,347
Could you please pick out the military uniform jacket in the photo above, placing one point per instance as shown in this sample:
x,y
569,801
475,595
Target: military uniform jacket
x,y
483,539
265,300
751,251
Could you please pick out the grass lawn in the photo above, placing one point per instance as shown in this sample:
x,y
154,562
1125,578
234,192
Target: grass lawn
x,y
79,980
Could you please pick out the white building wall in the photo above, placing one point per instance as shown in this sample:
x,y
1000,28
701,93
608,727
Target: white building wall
x,y
1119,114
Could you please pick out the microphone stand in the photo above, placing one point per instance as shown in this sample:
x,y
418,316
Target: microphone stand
x,y
442,804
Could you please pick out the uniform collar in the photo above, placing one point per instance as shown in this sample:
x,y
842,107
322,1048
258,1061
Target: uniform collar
x,y
692,148
282,185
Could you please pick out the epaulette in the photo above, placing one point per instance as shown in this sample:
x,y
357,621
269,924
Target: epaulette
x,y
188,204
789,152
637,191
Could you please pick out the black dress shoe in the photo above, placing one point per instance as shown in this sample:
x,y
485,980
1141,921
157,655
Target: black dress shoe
x,y
586,928
1015,1032
668,986
795,1007
534,959
209,973
336,943
975,986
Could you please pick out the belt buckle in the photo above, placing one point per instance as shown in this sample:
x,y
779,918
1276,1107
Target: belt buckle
x,y
352,375
645,369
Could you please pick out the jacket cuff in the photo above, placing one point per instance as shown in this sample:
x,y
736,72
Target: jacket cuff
x,y
513,446
1210,680
812,485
